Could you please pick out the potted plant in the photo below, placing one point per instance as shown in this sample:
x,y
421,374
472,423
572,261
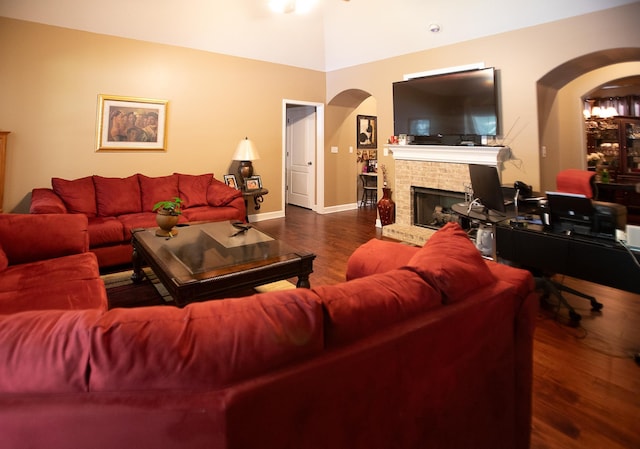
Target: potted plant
x,y
167,216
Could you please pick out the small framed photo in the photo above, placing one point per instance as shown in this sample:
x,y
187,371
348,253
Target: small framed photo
x,y
131,123
367,131
230,180
254,183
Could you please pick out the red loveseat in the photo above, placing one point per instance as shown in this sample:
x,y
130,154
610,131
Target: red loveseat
x,y
422,348
115,206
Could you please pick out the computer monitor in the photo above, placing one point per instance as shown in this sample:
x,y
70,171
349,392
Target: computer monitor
x,y
570,212
485,183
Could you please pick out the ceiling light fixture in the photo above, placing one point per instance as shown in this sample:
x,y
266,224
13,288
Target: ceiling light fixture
x,y
289,6
434,28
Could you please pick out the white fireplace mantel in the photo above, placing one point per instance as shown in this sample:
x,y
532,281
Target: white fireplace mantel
x,y
482,155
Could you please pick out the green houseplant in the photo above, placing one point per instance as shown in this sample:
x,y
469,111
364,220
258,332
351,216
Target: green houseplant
x,y
170,207
168,214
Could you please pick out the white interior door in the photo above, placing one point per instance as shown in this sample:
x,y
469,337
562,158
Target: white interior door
x,y
300,147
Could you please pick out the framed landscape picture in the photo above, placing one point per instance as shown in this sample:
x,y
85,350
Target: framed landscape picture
x,y
130,123
367,131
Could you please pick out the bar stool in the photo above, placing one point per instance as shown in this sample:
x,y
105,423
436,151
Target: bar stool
x,y
369,190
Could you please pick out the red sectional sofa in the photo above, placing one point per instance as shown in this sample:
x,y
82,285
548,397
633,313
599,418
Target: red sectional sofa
x,y
115,206
45,264
421,348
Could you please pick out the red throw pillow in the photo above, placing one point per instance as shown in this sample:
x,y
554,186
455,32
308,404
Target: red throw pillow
x,y
154,189
451,263
79,195
361,307
220,194
117,196
4,261
193,189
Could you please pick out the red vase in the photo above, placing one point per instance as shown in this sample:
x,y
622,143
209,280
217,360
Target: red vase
x,y
386,208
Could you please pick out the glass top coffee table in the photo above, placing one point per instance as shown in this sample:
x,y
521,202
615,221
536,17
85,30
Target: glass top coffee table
x,y
214,260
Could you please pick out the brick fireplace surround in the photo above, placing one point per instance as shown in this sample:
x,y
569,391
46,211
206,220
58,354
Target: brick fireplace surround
x,y
433,167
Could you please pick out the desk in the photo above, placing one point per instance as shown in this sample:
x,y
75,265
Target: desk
x,y
600,261
594,260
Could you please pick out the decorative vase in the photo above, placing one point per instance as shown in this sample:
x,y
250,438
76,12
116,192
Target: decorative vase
x,y
166,221
386,208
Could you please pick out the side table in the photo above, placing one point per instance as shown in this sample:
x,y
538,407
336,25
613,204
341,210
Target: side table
x,y
257,197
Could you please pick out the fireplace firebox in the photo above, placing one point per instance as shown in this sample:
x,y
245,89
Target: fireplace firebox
x,y
432,207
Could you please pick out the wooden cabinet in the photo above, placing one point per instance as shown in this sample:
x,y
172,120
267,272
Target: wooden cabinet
x,y
618,139
3,154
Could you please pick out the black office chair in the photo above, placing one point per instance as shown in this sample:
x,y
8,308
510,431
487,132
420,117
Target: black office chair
x,y
369,190
580,182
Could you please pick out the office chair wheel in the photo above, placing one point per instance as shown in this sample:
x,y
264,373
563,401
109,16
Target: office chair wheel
x,y
574,316
596,306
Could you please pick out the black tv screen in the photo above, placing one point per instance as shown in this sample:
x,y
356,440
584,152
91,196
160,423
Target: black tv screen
x,y
452,108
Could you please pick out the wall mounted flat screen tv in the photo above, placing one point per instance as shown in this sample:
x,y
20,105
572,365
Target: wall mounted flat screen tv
x,y
452,108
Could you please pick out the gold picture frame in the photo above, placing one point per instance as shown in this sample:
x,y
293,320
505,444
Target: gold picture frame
x,y
131,123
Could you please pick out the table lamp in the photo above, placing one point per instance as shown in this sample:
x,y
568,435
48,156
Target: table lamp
x,y
245,153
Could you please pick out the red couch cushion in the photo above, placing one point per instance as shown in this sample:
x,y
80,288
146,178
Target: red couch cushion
x,y
451,263
4,262
117,196
220,194
193,189
360,307
155,189
45,351
204,345
220,213
47,272
79,195
75,294
105,231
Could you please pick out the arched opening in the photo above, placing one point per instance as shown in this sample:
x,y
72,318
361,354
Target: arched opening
x,y
343,161
560,106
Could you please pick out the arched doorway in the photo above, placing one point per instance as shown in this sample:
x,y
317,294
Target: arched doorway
x,y
559,95
341,156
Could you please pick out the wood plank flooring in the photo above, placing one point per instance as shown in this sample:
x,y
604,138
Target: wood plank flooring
x,y
586,392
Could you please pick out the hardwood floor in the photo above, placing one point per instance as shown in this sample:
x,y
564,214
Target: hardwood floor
x,y
586,391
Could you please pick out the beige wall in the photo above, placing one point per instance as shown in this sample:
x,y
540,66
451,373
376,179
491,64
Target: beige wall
x,y
569,148
522,58
51,78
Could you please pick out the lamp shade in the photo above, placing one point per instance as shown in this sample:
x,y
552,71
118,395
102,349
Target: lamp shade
x,y
246,151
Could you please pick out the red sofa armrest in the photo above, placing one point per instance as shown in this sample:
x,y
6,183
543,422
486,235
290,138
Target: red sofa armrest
x,y
45,201
31,237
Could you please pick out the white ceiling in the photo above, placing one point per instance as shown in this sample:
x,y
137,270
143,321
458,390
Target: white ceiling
x,y
334,35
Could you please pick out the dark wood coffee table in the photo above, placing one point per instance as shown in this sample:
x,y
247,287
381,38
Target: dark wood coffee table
x,y
214,260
